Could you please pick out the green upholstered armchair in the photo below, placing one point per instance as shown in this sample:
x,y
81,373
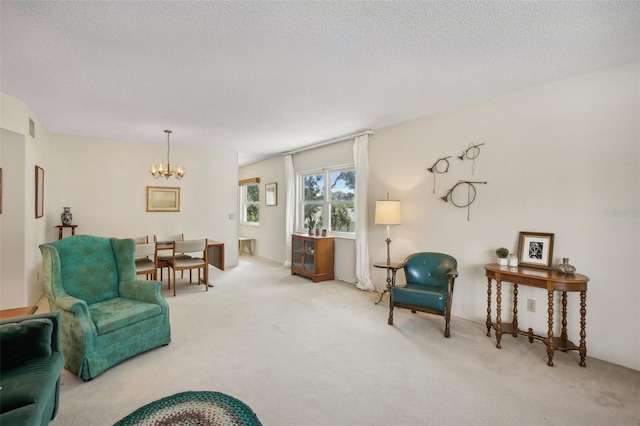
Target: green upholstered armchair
x,y
430,279
107,314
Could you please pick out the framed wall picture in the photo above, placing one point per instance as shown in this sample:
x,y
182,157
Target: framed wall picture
x,y
39,192
535,249
271,194
163,199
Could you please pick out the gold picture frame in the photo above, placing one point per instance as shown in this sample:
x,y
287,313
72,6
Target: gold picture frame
x,y
271,194
163,199
39,192
535,249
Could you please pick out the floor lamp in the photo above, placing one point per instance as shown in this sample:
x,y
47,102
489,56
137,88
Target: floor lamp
x,y
388,213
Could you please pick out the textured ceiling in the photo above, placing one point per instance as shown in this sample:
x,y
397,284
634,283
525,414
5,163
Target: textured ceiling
x,y
261,78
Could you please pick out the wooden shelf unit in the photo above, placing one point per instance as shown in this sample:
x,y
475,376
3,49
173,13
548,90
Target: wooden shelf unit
x,y
312,257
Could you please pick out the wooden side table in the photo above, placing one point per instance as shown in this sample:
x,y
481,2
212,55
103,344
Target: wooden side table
x,y
62,227
392,268
551,281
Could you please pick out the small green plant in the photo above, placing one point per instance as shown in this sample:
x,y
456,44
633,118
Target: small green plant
x,y
502,253
311,222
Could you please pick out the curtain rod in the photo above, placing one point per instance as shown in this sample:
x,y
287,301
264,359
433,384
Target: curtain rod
x,y
319,144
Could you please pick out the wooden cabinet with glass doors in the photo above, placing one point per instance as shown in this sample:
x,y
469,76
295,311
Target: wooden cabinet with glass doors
x,y
312,257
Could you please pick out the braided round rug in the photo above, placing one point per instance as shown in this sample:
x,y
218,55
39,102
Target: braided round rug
x,y
194,409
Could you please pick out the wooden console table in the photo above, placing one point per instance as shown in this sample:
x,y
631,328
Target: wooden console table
x,y
551,281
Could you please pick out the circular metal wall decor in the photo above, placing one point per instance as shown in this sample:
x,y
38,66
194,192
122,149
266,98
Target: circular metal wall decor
x,y
441,166
471,153
462,194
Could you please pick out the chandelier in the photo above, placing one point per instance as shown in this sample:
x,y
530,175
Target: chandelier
x,y
159,170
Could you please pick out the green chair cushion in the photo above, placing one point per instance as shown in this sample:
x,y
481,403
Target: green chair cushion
x,y
21,342
119,312
420,295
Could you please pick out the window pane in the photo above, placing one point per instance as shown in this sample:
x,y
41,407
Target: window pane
x,y
343,185
343,218
314,188
253,193
253,213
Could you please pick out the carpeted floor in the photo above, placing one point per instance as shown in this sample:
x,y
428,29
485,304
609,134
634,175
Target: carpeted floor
x,y
306,354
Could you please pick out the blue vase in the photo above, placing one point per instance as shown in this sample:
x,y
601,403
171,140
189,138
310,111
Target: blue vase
x,y
66,216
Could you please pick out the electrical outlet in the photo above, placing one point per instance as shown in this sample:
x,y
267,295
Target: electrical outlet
x,y
232,216
531,305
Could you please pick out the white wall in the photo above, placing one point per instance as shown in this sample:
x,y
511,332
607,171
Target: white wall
x,y
557,158
20,231
561,158
104,182
270,234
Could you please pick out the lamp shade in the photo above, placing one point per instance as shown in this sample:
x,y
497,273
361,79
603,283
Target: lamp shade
x,y
388,212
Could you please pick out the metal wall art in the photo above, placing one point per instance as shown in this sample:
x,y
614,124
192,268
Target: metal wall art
x,y
471,153
459,199
441,166
463,193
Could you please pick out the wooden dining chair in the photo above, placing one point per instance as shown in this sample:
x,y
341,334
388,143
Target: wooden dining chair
x,y
146,260
196,248
165,252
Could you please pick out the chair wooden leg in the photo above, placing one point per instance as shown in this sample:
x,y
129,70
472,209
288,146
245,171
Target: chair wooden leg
x,y
174,283
447,330
390,320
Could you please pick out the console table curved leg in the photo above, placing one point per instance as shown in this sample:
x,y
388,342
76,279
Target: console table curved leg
x,y
488,307
583,322
498,313
550,331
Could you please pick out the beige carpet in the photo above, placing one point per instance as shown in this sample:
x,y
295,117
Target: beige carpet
x,y
304,353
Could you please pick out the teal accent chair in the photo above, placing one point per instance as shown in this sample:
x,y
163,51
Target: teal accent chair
x,y
430,280
107,314
31,362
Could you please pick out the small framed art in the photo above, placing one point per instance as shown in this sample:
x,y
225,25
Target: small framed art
x,y
271,194
163,199
535,249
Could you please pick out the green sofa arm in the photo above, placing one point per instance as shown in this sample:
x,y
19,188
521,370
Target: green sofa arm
x,y
30,349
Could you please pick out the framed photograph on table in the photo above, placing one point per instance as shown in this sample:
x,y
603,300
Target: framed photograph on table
x,y
39,192
271,194
163,199
535,249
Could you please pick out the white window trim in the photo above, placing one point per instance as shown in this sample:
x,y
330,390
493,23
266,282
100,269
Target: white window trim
x,y
244,204
300,228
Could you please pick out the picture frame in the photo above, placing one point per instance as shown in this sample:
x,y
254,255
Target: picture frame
x,y
39,192
271,194
535,249
163,199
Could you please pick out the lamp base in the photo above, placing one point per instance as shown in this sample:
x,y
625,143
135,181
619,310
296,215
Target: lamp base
x,y
388,240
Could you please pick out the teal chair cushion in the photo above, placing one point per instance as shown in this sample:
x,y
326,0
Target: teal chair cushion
x,y
420,295
88,267
120,312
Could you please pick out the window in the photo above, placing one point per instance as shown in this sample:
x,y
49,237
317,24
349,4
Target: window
x,y
250,204
327,200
